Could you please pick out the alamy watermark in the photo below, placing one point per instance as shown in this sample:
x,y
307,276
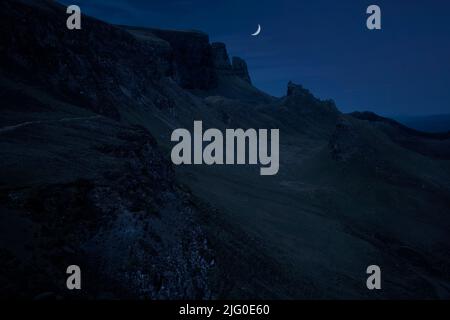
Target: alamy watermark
x,y
229,149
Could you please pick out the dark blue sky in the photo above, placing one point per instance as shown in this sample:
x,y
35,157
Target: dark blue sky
x,y
404,69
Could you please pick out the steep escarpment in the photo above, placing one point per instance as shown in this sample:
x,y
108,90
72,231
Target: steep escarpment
x,y
86,177
194,64
98,67
78,183
237,68
189,56
117,213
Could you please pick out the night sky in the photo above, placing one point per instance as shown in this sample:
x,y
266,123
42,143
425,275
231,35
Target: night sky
x,y
403,69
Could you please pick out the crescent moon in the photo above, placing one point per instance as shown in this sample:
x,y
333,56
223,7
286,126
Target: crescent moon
x,y
257,31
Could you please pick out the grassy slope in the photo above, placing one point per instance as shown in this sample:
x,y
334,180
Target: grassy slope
x,y
324,224
319,223
308,232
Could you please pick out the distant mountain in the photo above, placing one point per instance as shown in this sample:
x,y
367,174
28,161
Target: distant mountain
x,y
431,123
434,144
86,177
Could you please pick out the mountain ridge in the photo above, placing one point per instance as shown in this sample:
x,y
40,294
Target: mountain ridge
x,y
85,167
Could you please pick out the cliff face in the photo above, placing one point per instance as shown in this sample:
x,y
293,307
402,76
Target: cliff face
x,y
192,60
89,68
221,58
223,66
240,69
78,183
85,176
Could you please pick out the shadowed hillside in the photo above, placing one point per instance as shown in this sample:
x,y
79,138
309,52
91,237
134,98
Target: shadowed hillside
x,y
86,176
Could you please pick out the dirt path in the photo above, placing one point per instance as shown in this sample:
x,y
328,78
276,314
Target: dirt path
x,y
25,124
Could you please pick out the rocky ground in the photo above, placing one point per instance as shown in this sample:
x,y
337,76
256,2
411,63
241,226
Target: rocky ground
x,y
86,177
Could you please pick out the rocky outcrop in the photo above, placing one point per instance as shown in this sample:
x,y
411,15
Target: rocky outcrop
x,y
345,143
436,145
304,101
130,229
81,184
221,58
240,69
162,49
192,58
88,67
298,91
237,68
186,56
104,196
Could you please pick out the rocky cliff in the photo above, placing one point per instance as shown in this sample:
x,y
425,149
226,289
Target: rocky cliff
x,y
86,177
190,56
190,59
223,66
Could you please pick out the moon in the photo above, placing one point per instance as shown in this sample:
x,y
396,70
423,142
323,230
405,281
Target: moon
x,y
257,31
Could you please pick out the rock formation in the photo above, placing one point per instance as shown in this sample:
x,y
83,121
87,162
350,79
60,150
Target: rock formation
x,y
85,177
223,66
